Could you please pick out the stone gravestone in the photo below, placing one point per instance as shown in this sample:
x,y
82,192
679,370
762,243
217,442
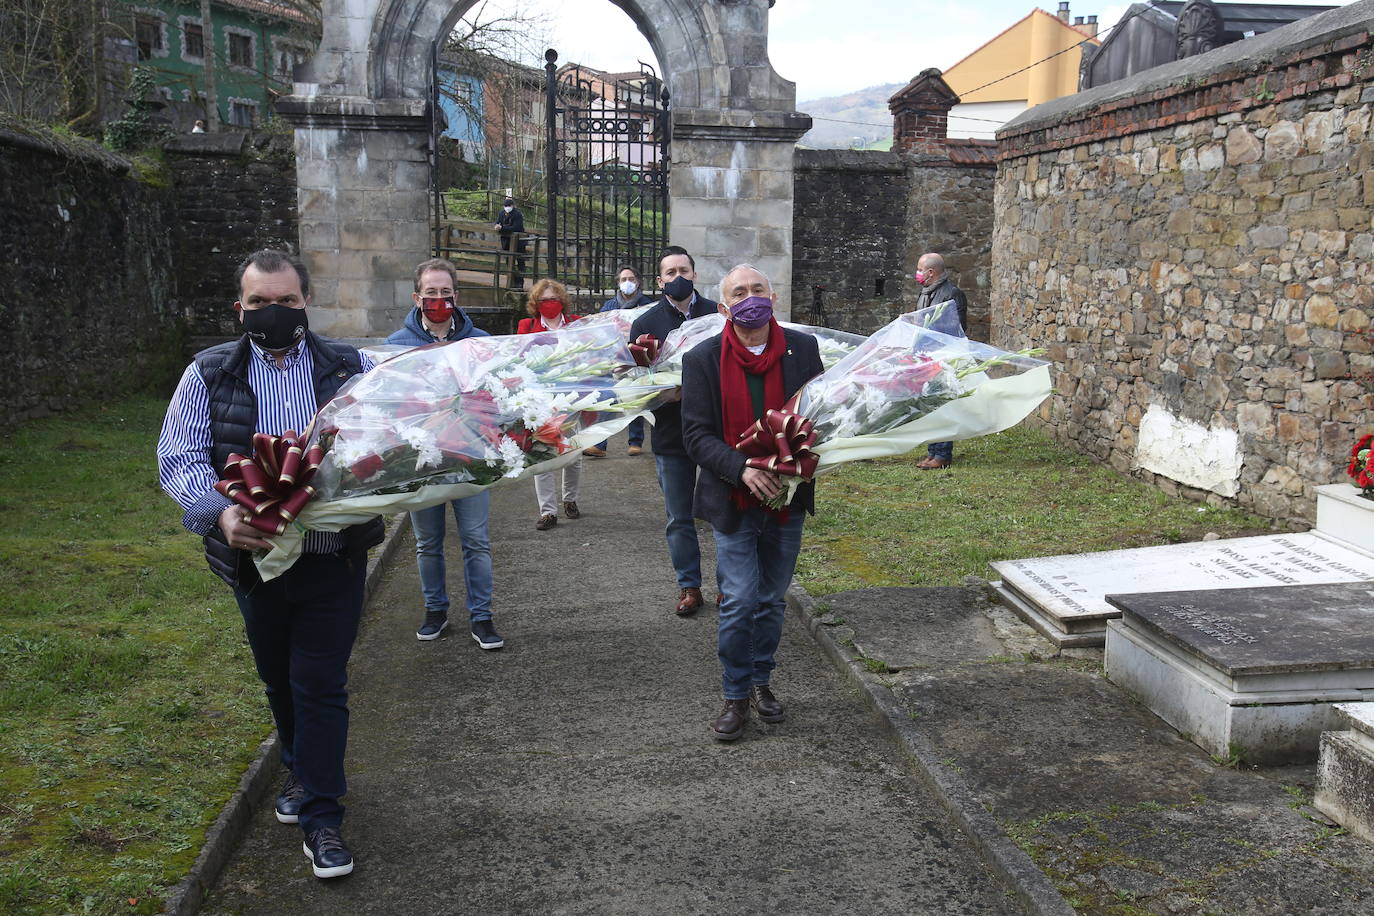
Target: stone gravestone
x,y
1248,672
1064,597
1345,771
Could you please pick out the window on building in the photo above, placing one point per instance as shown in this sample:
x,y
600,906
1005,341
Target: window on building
x,y
193,40
240,50
148,35
241,114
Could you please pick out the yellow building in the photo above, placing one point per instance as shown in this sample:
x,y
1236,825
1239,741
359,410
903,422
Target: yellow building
x,y
992,91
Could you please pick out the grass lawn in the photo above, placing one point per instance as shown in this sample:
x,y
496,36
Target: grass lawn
x,y
1008,496
128,703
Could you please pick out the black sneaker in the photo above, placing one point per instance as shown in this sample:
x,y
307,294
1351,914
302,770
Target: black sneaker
x,y
486,635
289,800
435,622
329,855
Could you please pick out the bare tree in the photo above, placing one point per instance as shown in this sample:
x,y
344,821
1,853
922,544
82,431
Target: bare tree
x,y
51,54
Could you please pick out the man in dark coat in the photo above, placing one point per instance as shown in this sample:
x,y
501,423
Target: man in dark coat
x,y
511,223
677,475
300,625
728,383
936,287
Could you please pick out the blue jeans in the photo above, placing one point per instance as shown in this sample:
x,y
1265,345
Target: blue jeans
x,y
301,628
943,451
635,433
754,566
429,524
677,478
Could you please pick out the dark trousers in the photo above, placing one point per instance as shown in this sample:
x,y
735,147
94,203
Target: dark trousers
x,y
517,263
301,628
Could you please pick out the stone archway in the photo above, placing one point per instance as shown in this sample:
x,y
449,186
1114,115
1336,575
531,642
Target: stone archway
x,y
362,159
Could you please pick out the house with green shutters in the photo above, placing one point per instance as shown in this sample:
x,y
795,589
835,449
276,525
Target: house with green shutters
x,y
254,45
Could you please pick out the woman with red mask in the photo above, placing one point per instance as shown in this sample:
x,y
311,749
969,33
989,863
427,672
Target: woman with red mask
x,y
550,309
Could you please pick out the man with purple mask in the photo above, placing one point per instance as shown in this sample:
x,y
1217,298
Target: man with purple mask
x,y
728,383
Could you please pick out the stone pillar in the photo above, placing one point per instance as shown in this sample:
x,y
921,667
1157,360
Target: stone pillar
x,y
731,191
362,169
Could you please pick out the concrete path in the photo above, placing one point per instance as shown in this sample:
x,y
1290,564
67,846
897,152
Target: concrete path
x,y
572,772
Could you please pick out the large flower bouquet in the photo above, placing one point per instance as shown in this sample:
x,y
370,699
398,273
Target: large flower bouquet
x,y
906,386
449,420
1360,469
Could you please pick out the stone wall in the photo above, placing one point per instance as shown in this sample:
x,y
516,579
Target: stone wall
x,y
85,270
1194,248
861,221
106,273
234,193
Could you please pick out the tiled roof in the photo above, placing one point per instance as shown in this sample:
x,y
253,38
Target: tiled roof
x,y
275,9
971,151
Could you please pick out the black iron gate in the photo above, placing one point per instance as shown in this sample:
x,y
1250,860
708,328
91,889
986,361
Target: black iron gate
x,y
607,163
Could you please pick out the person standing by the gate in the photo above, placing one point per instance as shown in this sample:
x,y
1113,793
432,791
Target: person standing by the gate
x,y
936,288
437,318
511,223
629,294
550,309
677,475
301,625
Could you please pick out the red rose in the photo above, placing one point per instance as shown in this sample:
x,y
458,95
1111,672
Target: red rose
x,y
366,467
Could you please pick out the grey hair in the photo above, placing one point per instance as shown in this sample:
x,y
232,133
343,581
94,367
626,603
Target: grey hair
x,y
743,267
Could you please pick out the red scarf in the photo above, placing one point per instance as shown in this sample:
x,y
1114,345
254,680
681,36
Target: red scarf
x,y
737,407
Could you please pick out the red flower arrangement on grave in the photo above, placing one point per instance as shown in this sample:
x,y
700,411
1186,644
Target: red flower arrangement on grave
x,y
1360,470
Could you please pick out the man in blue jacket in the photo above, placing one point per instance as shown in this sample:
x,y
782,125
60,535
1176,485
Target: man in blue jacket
x,y
677,475
437,318
728,383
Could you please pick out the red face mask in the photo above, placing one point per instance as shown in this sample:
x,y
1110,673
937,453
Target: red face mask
x,y
436,309
550,307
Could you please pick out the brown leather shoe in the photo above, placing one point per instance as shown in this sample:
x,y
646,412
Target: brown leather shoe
x,y
931,464
729,725
594,452
689,602
545,522
571,511
634,450
769,707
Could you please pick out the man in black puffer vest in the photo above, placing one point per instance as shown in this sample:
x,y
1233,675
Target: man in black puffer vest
x,y
300,625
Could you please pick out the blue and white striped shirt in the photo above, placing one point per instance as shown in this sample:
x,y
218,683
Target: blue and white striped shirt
x,y
285,400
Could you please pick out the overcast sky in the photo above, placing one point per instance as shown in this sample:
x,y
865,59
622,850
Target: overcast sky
x,y
827,47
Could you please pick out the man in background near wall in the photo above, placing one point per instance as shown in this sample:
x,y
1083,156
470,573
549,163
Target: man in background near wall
x,y
302,624
677,475
437,318
629,294
936,287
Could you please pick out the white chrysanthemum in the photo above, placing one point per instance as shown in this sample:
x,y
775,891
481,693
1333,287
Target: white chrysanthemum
x,y
513,457
426,449
349,449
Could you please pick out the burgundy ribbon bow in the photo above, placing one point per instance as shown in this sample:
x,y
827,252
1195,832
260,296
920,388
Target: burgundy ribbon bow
x,y
644,350
781,442
273,485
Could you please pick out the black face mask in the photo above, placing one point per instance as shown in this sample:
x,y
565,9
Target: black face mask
x,y
679,288
275,326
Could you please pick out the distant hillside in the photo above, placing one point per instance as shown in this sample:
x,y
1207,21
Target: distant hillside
x,y
866,106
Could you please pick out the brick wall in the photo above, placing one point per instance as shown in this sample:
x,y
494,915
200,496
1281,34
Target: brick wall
x,y
1195,251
